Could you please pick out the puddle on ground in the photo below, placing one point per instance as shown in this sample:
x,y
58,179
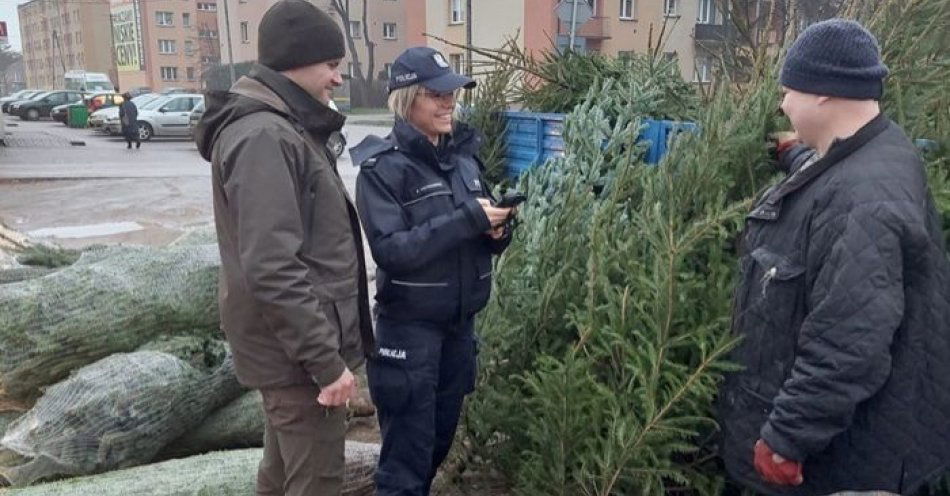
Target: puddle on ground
x,y
87,231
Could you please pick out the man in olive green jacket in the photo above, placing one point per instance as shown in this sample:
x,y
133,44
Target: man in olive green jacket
x,y
293,293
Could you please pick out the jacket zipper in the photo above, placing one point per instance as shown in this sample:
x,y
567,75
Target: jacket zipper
x,y
420,284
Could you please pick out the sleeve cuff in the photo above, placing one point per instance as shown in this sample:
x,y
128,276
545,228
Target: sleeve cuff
x,y
476,214
780,444
325,376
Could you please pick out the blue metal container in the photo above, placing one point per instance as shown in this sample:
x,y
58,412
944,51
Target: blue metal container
x,y
659,134
532,138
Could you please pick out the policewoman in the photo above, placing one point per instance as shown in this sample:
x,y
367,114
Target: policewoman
x,y
432,229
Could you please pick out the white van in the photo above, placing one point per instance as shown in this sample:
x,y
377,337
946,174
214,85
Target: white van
x,y
90,82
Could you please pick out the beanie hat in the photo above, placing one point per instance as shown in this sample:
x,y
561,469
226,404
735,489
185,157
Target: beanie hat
x,y
295,33
838,58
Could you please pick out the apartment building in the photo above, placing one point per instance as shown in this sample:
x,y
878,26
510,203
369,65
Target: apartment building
x,y
493,23
162,44
390,25
684,29
60,36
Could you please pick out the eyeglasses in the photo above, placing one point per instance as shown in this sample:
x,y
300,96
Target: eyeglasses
x,y
446,97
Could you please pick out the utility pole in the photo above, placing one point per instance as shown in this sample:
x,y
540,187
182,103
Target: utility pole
x,y
573,23
227,32
468,38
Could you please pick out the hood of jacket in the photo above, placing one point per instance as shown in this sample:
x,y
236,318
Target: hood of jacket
x,y
263,90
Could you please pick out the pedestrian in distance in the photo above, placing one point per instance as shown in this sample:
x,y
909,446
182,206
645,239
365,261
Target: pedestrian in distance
x,y
128,118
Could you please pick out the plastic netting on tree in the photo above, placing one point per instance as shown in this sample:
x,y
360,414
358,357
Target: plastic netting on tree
x,y
111,300
119,412
239,424
223,473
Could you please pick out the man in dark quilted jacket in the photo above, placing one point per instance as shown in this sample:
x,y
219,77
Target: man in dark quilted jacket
x,y
843,305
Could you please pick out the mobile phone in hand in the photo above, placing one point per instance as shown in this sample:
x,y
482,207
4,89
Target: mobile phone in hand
x,y
511,199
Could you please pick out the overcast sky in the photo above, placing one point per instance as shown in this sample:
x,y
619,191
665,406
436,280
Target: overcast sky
x,y
8,14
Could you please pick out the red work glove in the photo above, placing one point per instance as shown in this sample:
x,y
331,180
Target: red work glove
x,y
776,469
780,142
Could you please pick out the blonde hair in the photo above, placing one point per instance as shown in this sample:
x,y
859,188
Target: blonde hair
x,y
400,100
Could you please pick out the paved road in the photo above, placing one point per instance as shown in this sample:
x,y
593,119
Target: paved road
x,y
75,188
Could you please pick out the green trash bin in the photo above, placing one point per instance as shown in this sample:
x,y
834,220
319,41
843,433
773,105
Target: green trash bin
x,y
78,116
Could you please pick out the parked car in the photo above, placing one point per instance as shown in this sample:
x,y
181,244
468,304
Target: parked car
x,y
60,113
141,90
337,146
16,95
176,91
97,101
5,107
107,120
167,116
42,106
195,117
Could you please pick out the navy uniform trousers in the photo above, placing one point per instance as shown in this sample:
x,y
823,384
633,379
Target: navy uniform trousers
x,y
418,381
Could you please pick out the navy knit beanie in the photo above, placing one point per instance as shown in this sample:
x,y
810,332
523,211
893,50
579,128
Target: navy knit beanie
x,y
838,58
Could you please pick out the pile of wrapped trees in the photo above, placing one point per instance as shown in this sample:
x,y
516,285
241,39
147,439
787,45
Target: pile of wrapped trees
x,y
114,362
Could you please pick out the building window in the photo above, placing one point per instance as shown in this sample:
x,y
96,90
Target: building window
x,y
245,36
707,12
207,33
389,30
166,47
703,70
186,20
458,12
165,18
593,6
356,27
189,47
388,70
671,8
626,9
207,7
190,72
351,69
169,74
455,59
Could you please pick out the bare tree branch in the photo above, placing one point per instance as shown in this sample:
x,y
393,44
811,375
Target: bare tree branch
x,y
342,8
370,46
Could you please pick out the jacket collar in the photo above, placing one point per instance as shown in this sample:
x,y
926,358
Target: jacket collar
x,y
464,139
313,115
770,206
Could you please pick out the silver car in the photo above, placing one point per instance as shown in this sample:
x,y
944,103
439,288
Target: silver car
x,y
167,115
107,120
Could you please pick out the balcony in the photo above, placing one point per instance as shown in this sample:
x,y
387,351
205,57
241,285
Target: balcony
x,y
597,28
710,33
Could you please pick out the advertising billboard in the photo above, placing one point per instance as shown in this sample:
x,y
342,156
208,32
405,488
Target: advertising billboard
x,y
127,36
